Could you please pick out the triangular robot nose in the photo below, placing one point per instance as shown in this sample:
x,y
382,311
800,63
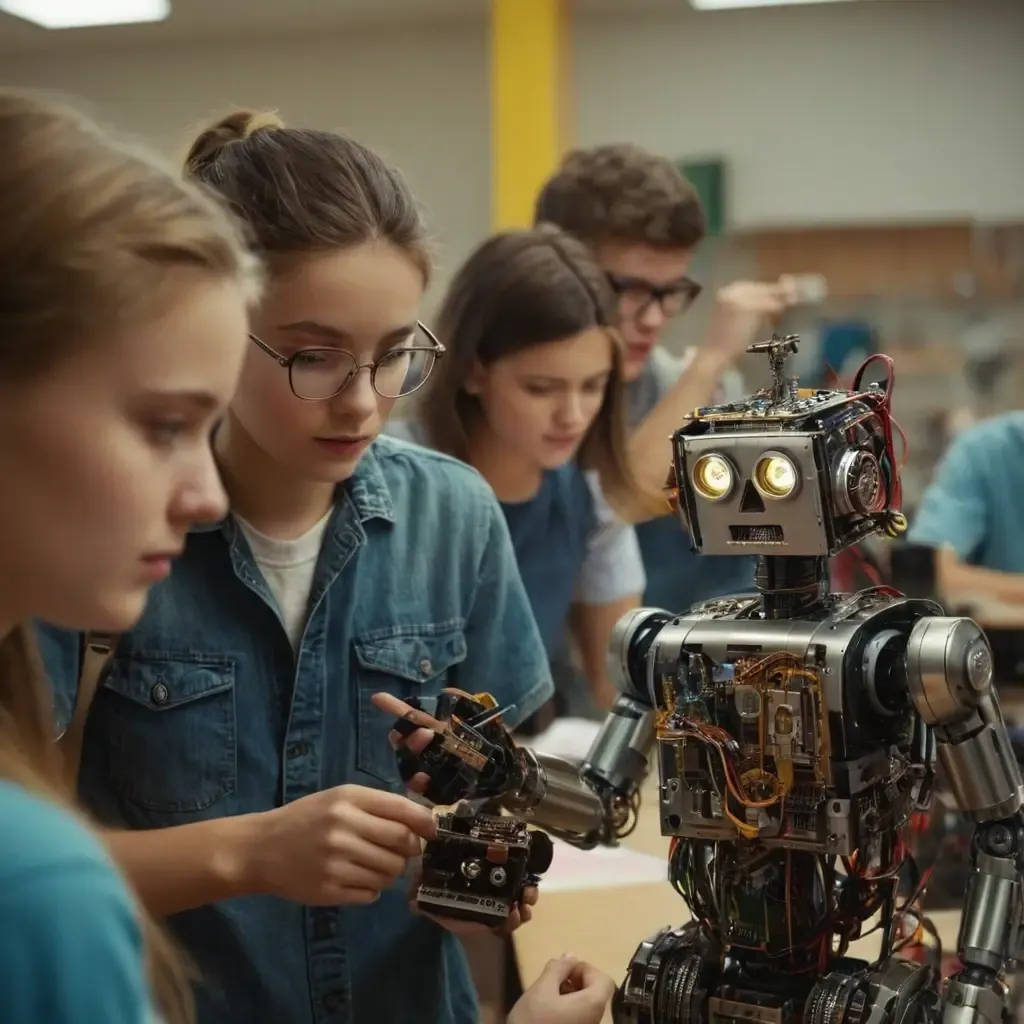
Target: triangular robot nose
x,y
751,500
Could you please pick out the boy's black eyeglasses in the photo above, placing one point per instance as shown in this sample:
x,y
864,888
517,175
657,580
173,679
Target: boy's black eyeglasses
x,y
316,374
636,295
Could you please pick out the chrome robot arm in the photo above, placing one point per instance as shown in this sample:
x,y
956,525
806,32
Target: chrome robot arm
x,y
595,801
949,674
587,803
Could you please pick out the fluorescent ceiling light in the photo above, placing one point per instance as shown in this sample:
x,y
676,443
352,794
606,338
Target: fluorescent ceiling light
x,y
728,5
87,13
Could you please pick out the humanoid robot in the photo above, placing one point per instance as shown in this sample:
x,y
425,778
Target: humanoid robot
x,y
794,732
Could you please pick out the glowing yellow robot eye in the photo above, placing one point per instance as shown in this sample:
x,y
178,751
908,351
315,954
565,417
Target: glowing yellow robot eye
x,y
775,476
713,477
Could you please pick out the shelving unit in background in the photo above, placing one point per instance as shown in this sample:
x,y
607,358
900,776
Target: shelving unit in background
x,y
944,299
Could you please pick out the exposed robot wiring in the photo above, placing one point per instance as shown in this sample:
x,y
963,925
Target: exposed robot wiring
x,y
883,406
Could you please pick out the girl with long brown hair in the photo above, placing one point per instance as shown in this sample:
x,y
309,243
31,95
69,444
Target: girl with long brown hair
x,y
530,394
123,311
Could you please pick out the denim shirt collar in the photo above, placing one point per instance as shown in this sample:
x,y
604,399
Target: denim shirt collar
x,y
367,489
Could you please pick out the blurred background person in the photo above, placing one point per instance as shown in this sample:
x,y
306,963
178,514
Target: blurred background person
x,y
643,221
530,393
971,513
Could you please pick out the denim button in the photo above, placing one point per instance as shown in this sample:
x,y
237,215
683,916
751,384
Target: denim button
x,y
333,1001
159,693
426,666
297,750
323,928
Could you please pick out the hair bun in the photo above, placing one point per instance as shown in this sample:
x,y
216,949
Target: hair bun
x,y
233,128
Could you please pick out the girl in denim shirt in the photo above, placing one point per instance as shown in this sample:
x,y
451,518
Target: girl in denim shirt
x,y
530,393
233,749
123,315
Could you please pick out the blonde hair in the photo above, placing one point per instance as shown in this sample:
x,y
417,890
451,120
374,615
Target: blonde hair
x,y
95,236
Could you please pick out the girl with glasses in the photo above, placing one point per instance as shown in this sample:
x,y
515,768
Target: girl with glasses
x,y
123,315
530,393
233,749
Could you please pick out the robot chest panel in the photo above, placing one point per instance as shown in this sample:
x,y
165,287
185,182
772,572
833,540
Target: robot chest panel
x,y
743,749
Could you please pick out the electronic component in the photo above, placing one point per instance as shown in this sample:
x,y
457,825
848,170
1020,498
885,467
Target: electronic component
x,y
478,865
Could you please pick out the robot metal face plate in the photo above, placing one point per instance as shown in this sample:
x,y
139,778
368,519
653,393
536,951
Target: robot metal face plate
x,y
755,493
800,479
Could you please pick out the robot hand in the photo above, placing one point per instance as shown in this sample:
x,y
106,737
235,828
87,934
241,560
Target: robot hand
x,y
454,747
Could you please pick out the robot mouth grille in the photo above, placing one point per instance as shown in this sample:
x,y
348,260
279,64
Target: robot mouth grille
x,y
756,535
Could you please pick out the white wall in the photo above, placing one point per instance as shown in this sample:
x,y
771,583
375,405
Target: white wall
x,y
838,112
910,109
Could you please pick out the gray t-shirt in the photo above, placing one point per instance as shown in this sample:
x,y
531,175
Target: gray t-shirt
x,y
677,576
659,376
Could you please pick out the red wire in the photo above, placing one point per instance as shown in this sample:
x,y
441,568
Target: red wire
x,y
883,407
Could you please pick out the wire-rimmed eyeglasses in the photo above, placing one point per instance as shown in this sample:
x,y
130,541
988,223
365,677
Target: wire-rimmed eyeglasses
x,y
316,374
636,295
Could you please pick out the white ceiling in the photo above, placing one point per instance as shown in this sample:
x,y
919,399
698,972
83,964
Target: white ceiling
x,y
195,20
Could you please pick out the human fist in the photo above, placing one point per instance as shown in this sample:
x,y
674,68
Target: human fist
x,y
741,309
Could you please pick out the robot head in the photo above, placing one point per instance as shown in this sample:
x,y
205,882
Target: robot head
x,y
788,471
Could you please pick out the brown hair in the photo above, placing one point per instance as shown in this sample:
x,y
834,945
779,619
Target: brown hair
x,y
301,191
95,236
518,289
622,193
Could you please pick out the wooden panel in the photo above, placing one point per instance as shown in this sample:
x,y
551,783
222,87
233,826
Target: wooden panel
x,y
928,262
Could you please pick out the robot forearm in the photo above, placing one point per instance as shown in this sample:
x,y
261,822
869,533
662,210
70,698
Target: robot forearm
x,y
591,802
950,676
472,756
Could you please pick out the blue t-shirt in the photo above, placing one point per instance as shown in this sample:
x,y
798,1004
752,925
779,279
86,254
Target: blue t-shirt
x,y
973,503
70,942
570,547
549,533
678,576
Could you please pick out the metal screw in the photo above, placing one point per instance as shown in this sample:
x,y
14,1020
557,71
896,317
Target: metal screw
x,y
1000,841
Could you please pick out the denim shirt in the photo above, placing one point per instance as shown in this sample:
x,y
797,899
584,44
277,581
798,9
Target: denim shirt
x,y
206,712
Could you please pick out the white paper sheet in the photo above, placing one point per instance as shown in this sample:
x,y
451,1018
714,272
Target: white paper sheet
x,y
565,737
601,868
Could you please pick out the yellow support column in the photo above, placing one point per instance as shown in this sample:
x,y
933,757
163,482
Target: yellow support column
x,y
531,109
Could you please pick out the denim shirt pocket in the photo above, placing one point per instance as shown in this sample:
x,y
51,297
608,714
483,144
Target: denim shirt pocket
x,y
404,661
169,730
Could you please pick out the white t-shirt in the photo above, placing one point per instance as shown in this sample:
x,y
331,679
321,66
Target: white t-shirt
x,y
288,567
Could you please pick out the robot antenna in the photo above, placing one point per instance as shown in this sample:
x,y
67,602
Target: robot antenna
x,y
778,349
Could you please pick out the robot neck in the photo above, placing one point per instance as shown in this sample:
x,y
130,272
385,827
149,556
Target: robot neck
x,y
791,587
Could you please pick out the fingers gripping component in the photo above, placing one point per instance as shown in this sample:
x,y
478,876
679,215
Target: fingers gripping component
x,y
471,754
478,866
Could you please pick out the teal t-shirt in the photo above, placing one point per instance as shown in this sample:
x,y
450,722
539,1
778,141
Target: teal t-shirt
x,y
973,503
70,943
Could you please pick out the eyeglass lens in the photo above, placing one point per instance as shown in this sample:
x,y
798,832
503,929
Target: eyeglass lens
x,y
320,373
636,297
